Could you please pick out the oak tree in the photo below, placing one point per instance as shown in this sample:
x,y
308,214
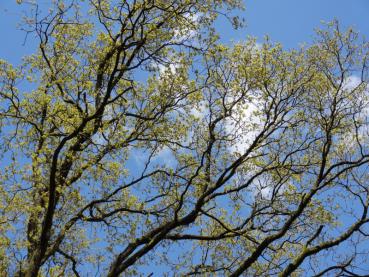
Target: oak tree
x,y
134,143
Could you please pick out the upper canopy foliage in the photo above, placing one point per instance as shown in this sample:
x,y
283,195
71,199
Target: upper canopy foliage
x,y
133,139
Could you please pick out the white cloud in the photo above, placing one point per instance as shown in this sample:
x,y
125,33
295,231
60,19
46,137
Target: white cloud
x,y
351,82
189,30
171,68
349,139
244,125
199,110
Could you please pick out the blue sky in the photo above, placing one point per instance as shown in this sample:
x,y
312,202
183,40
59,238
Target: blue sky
x,y
290,22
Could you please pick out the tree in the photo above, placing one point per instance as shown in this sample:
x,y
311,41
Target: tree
x,y
133,139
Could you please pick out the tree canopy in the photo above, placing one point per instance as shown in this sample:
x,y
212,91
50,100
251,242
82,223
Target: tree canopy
x,y
133,142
